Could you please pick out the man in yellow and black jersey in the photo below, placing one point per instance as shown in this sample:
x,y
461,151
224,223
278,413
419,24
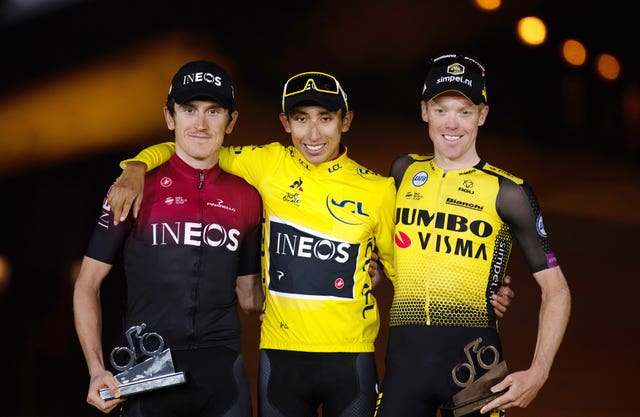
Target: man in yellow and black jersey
x,y
455,219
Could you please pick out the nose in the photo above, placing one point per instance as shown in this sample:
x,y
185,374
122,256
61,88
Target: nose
x,y
315,132
451,121
200,121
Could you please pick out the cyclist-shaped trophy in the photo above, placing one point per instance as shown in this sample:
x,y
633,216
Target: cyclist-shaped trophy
x,y
153,373
475,393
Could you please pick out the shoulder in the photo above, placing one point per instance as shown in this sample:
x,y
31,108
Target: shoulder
x,y
499,172
238,183
402,162
365,174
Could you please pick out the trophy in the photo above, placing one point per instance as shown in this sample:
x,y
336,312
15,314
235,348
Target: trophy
x,y
475,393
153,373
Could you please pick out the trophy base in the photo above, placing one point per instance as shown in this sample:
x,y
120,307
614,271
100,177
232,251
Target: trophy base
x,y
145,385
463,410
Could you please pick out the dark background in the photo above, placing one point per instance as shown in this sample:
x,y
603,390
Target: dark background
x,y
572,135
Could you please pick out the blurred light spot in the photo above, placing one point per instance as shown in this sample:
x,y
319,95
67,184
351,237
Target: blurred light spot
x,y
608,67
574,53
488,5
5,274
531,31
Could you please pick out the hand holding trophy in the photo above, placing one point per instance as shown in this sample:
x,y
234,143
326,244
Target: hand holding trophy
x,y
475,393
153,373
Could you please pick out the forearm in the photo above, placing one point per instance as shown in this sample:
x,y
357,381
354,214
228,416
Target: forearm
x,y
553,319
88,314
249,293
152,156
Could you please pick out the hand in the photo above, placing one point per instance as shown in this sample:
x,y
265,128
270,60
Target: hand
x,y
375,270
502,299
126,191
104,379
522,387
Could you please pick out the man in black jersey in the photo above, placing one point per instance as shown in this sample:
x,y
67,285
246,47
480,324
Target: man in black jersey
x,y
456,218
190,257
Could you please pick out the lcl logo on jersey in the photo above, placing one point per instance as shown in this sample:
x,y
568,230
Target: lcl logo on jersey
x,y
346,211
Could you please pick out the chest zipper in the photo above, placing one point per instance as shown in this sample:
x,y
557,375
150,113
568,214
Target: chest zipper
x,y
436,208
201,183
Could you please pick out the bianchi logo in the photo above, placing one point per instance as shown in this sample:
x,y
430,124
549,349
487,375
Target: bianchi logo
x,y
220,204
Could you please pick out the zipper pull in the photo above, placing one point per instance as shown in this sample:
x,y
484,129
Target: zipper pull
x,y
201,183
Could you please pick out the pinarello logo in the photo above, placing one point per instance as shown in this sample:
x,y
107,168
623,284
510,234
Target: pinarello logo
x,y
166,182
402,240
339,283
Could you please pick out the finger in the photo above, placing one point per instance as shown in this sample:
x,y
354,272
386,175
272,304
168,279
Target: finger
x,y
116,208
502,300
136,206
126,207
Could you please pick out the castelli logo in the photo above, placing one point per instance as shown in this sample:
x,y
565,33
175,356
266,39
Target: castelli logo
x,y
339,283
166,182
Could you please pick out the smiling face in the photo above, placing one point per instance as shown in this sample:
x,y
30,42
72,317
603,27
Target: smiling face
x,y
200,127
316,132
453,128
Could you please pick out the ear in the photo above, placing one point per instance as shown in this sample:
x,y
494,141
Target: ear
x,y
171,124
234,118
424,111
484,111
347,119
284,119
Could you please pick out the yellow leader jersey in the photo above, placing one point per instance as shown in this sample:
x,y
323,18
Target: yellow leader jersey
x,y
321,223
453,236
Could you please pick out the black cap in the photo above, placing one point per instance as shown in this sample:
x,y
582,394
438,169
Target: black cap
x,y
202,79
455,72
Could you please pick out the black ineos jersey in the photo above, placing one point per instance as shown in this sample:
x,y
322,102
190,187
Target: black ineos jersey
x,y
197,230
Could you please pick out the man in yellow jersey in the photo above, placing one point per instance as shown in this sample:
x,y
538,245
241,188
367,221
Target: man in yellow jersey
x,y
456,217
324,216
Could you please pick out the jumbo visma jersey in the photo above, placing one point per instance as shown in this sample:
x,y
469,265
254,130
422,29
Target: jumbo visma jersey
x,y
321,224
453,236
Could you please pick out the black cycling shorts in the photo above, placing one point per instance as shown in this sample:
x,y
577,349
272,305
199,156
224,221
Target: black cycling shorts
x,y
297,384
216,386
418,376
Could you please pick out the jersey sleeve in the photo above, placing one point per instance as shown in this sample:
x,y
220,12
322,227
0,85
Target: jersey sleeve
x,y
385,231
106,240
153,156
250,162
518,206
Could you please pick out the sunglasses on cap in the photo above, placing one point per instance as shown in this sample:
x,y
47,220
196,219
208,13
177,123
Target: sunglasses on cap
x,y
473,63
318,81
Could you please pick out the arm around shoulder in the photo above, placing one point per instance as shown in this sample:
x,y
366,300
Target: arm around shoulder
x,y
152,156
